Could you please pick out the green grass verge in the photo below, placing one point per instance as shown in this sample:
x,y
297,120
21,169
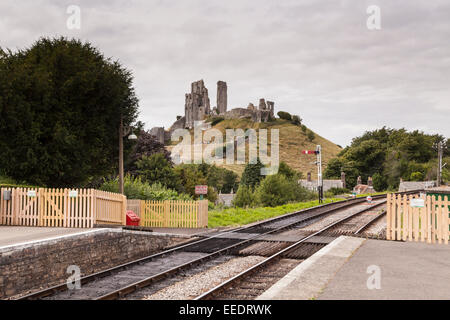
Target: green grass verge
x,y
241,216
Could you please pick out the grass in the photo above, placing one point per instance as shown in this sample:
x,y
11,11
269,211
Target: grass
x,y
241,216
292,142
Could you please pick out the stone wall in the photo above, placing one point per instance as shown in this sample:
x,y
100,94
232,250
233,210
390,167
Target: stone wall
x,y
35,266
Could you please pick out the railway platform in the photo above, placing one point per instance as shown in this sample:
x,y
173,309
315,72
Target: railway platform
x,y
19,235
358,269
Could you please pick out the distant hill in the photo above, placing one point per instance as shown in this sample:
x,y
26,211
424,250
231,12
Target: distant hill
x,y
292,141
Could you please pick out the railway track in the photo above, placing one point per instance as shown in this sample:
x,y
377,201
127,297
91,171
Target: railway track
x,y
251,283
123,280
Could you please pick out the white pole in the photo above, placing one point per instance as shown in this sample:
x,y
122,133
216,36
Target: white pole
x,y
319,172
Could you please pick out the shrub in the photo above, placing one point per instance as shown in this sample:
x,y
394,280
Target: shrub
x,y
416,176
244,197
135,188
379,182
288,172
284,115
296,120
311,136
304,128
157,168
336,191
252,174
276,190
216,120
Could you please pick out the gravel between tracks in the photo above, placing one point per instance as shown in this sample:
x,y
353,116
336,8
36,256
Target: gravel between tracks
x,y
336,216
200,283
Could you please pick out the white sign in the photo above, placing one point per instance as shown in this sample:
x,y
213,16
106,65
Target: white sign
x,y
31,193
73,193
417,203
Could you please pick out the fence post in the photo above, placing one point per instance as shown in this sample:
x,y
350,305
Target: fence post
x,y
388,216
124,210
166,213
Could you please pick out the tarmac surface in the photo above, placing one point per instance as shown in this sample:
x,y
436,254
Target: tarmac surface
x,y
406,270
12,235
359,269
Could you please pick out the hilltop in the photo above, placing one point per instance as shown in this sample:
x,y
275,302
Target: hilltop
x,y
292,141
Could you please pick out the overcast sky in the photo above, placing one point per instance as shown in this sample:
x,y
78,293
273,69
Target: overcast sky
x,y
314,58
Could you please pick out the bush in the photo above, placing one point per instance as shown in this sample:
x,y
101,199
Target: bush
x,y
276,190
379,182
288,172
336,191
416,176
135,188
157,168
244,197
304,128
216,120
251,176
284,115
311,136
296,120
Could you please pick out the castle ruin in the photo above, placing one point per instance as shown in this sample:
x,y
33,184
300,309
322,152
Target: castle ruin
x,y
197,108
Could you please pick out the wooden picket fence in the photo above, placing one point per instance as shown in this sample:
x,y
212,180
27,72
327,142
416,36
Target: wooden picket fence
x,y
430,223
71,208
174,214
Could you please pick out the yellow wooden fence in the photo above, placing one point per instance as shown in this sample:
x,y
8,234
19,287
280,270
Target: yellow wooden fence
x,y
71,208
174,214
429,223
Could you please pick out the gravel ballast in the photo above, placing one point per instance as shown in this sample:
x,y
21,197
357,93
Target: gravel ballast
x,y
202,282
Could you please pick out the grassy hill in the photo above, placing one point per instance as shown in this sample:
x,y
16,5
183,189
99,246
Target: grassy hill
x,y
292,141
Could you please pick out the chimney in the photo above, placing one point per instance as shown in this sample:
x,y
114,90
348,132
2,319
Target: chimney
x,y
343,179
359,181
369,181
308,177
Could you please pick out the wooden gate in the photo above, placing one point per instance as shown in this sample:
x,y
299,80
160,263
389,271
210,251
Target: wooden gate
x,y
72,208
174,214
428,223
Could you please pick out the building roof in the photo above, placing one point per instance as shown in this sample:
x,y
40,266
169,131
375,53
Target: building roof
x,y
415,185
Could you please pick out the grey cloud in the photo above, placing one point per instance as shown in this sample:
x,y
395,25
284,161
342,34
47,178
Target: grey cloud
x,y
314,58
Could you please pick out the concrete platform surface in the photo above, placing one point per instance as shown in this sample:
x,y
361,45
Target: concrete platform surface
x,y
407,271
13,235
308,279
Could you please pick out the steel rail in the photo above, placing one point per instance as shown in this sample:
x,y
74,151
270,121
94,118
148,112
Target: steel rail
x,y
273,258
366,225
122,292
104,273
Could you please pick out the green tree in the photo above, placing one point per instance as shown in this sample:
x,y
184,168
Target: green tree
x,y
146,145
61,102
379,182
416,176
156,168
277,190
244,197
311,136
252,174
296,120
284,115
288,172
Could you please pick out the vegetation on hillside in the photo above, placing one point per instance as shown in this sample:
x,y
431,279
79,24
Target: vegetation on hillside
x,y
389,155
